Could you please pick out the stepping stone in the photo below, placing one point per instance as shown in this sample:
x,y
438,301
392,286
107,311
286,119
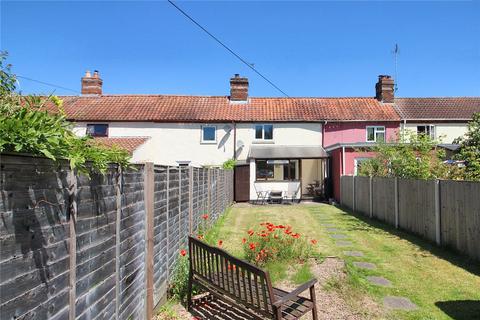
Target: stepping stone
x,y
399,303
327,224
343,243
334,230
364,265
379,281
353,253
338,236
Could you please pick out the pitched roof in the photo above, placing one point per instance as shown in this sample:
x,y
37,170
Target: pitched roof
x,y
437,108
128,143
170,108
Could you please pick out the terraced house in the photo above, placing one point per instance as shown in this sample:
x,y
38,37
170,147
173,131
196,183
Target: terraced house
x,y
296,147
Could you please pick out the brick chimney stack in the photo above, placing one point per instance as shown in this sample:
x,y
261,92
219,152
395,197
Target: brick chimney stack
x,y
385,89
238,88
92,84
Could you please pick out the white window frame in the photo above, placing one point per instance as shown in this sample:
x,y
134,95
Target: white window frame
x,y
375,131
208,141
431,128
356,162
263,131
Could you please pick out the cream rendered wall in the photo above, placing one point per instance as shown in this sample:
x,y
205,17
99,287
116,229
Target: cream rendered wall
x,y
292,134
445,132
172,142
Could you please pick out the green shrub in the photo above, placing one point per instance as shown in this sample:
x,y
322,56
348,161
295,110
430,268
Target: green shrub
x,y
229,164
27,127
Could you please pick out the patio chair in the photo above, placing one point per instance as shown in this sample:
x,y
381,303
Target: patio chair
x,y
291,193
262,195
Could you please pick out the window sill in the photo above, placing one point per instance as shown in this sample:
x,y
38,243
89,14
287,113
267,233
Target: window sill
x,y
276,181
263,142
208,142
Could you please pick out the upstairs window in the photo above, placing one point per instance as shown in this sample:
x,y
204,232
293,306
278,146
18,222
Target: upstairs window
x,y
209,134
427,130
375,134
97,130
264,131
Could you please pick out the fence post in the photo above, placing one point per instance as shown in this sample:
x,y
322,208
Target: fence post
x,y
168,223
396,204
438,231
353,193
118,218
370,192
72,191
190,199
149,190
209,191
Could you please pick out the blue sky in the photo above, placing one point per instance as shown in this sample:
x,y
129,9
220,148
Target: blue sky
x,y
315,48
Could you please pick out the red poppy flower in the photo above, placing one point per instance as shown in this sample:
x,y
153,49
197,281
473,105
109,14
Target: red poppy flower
x,y
281,226
205,216
252,246
296,235
244,240
313,241
251,232
220,242
183,252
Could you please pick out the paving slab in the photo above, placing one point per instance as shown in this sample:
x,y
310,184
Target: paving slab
x,y
399,303
334,230
353,253
364,265
338,236
344,243
379,281
327,224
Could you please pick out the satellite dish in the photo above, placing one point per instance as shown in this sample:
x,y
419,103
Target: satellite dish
x,y
227,128
240,144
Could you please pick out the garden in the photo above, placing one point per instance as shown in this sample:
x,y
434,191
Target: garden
x,y
364,269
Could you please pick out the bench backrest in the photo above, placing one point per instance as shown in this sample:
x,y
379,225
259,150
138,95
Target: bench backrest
x,y
236,279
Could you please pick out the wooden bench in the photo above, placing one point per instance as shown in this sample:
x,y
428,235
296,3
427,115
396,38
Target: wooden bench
x,y
244,285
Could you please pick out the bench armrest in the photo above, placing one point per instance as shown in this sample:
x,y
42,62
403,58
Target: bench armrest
x,y
295,293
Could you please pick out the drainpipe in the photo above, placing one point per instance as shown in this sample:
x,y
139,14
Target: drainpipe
x,y
234,140
343,161
323,133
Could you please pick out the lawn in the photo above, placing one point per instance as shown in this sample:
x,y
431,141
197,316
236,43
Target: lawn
x,y
442,284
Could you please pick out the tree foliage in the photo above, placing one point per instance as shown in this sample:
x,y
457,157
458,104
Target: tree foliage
x,y
469,150
27,127
411,156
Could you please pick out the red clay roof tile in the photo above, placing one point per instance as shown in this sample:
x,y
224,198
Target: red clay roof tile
x,y
168,108
128,143
437,108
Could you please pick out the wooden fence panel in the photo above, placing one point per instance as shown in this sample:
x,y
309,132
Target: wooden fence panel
x,y
34,238
108,251
346,191
416,203
460,216
95,245
362,195
383,199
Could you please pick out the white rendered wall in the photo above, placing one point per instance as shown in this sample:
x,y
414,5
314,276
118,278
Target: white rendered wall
x,y
444,132
172,142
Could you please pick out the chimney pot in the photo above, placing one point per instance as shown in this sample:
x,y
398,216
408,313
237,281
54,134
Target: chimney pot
x,y
92,84
238,88
385,89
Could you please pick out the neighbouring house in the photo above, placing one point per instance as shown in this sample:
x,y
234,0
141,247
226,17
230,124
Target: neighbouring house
x,y
280,144
443,119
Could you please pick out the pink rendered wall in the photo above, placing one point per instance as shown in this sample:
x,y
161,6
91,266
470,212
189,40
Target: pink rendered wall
x,y
351,155
350,132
